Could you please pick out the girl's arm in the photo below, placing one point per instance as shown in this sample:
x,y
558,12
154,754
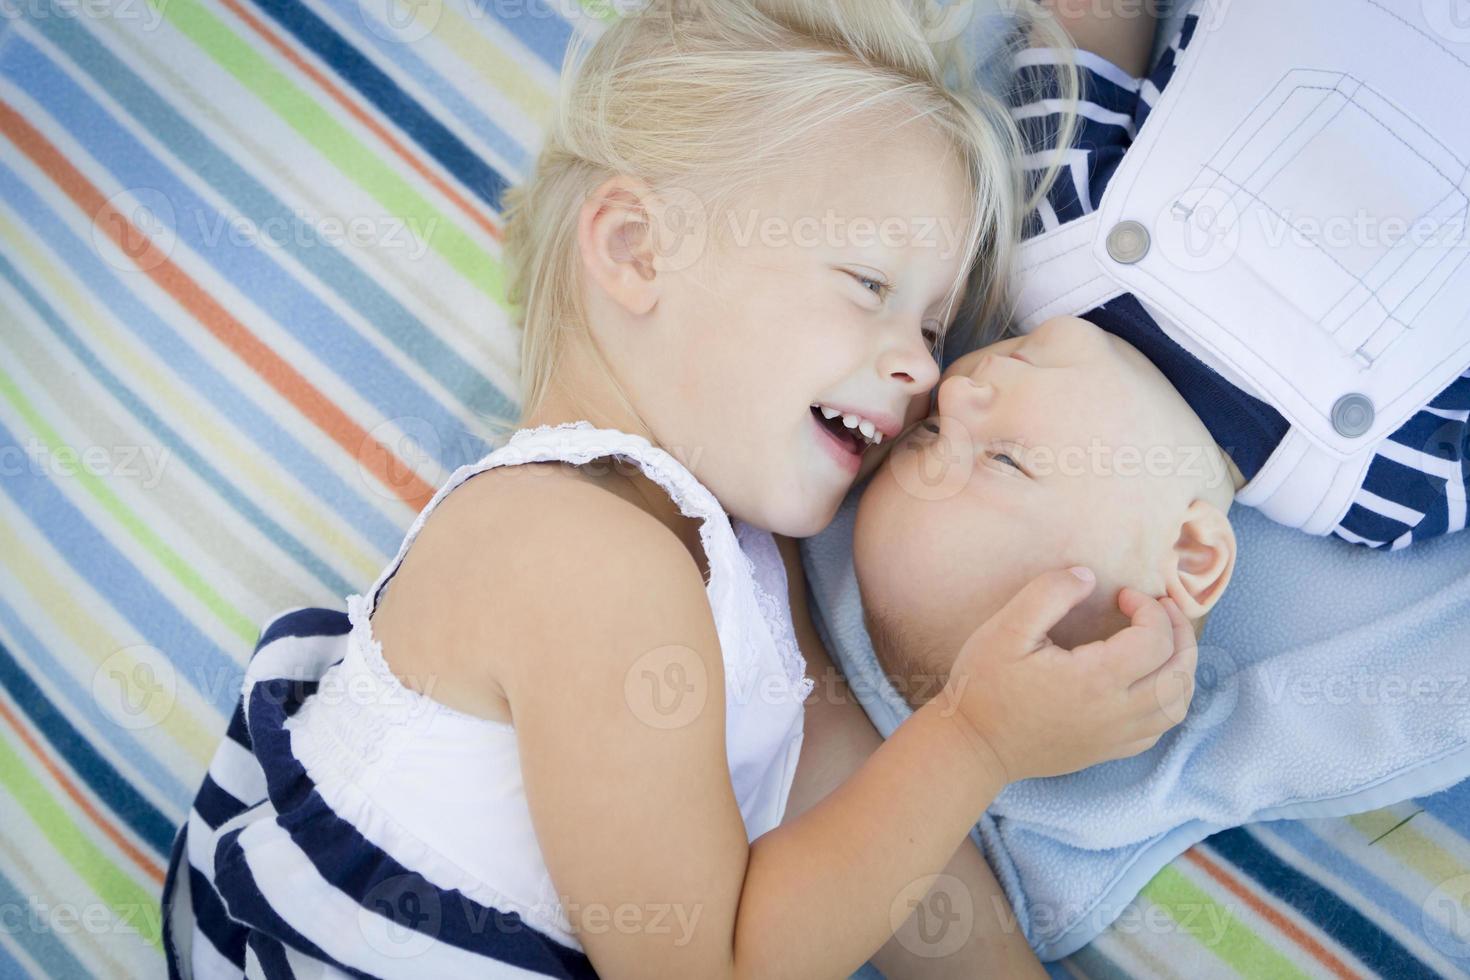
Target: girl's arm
x,y
965,938
1122,31
601,637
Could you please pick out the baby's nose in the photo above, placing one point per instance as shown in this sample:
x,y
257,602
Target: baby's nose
x,y
963,398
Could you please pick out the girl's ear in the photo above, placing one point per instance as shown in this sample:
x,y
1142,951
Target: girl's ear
x,y
1202,560
615,236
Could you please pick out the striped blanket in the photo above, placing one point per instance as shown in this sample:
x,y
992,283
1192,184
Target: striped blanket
x,y
251,314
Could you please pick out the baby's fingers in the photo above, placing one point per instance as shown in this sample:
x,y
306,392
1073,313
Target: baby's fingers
x,y
1146,644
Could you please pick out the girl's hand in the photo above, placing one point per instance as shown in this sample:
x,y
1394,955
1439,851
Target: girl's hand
x,y
1035,709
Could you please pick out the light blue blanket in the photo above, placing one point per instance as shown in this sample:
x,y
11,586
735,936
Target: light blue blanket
x,y
1332,680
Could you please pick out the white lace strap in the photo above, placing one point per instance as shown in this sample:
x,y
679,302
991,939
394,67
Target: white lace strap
x,y
580,443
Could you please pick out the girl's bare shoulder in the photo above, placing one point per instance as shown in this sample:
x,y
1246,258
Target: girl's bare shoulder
x,y
523,564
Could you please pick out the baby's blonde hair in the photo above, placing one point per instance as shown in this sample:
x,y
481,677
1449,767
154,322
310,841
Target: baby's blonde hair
x,y
713,96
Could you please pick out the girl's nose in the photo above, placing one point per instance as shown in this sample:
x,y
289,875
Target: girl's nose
x,y
910,364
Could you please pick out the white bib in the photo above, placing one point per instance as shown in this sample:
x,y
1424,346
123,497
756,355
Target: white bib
x,y
1294,213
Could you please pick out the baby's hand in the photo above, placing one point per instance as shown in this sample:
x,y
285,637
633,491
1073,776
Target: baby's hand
x,y
1035,709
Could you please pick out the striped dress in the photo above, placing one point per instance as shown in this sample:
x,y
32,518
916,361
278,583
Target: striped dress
x,y
350,825
1415,486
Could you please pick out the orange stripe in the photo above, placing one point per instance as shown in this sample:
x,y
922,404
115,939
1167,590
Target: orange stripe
x,y
290,383
357,113
142,860
1232,884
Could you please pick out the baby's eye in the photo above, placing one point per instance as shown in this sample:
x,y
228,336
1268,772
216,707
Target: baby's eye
x,y
877,287
1003,458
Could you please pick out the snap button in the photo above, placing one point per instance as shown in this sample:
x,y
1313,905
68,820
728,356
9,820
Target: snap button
x,y
1352,415
1128,242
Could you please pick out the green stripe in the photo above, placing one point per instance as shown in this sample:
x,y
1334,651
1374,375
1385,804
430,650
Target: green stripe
x,y
130,902
320,128
234,620
1198,914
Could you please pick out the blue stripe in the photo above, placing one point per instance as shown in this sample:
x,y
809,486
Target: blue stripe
x,y
246,267
304,622
42,945
9,966
1455,397
176,445
100,777
246,904
535,23
205,910
125,586
359,869
1452,806
81,702
378,88
214,388
359,290
272,956
216,806
1435,436
209,913
1325,909
349,12
1372,525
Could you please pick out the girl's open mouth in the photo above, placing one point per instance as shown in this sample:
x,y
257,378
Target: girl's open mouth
x,y
849,435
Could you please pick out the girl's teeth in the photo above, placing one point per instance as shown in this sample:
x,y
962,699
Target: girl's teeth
x,y
851,421
828,413
877,438
867,429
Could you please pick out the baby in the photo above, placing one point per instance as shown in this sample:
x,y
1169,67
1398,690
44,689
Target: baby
x,y
1062,447
1097,438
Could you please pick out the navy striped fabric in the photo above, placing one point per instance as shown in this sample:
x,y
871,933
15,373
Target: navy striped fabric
x,y
219,920
1415,486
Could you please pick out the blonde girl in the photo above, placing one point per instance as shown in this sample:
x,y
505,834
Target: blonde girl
x,y
564,741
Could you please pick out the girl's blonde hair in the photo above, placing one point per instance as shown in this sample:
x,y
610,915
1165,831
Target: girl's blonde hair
x,y
714,96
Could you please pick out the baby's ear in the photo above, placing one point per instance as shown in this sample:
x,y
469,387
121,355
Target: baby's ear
x,y
1202,560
